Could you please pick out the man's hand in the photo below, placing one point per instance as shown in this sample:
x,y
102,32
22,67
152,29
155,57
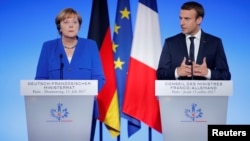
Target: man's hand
x,y
184,70
200,70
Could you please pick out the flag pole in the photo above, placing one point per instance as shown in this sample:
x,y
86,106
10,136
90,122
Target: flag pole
x,y
118,138
149,134
100,130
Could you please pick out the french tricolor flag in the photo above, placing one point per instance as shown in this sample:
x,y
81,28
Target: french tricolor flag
x,y
140,101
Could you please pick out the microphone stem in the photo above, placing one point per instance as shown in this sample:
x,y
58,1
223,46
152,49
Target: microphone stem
x,y
61,71
192,71
61,67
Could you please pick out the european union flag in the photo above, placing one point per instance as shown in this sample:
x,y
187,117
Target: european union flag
x,y
122,42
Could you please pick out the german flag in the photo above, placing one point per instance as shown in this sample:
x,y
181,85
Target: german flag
x,y
107,99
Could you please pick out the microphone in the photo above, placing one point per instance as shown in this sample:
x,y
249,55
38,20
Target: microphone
x,y
61,66
192,70
190,62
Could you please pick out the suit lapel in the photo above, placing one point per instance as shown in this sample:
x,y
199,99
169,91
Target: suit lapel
x,y
183,45
202,46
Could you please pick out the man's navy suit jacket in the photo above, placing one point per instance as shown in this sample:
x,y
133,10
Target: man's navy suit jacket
x,y
175,49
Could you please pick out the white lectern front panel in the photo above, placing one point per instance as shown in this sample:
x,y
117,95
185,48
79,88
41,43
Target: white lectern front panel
x,y
188,107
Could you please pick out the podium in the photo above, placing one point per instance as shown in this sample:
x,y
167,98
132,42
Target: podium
x,y
188,107
59,110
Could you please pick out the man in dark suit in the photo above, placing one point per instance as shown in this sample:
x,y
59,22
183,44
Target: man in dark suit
x,y
209,61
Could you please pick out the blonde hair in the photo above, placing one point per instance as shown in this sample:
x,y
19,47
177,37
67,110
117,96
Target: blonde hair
x,y
67,13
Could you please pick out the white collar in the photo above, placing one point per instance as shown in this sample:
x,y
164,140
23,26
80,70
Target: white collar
x,y
197,35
